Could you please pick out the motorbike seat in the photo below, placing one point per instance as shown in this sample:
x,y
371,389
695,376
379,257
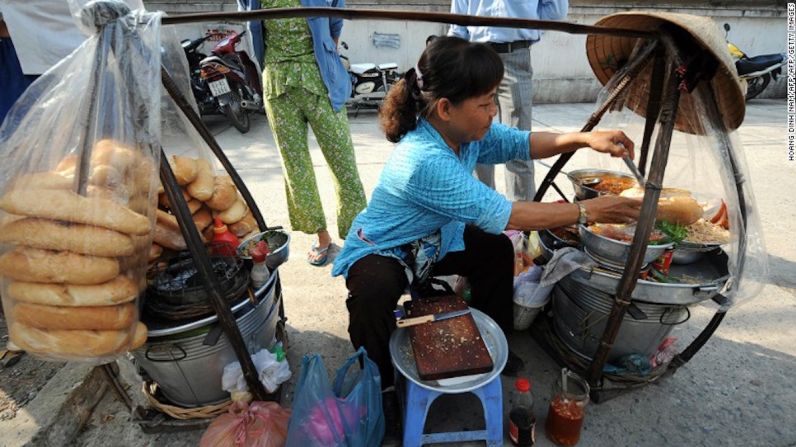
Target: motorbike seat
x,y
209,59
757,63
388,66
362,68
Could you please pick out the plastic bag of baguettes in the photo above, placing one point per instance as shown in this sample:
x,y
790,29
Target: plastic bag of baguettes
x,y
79,185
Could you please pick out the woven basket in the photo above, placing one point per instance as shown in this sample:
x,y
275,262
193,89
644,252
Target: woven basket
x,y
206,412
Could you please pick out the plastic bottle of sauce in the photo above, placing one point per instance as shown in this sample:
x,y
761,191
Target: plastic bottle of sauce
x,y
567,408
260,272
224,243
522,422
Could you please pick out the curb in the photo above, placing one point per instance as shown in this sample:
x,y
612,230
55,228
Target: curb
x,y
59,411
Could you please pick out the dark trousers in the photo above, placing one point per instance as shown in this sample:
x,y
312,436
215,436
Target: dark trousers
x,y
375,284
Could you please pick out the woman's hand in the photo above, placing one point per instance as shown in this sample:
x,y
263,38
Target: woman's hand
x,y
612,209
613,142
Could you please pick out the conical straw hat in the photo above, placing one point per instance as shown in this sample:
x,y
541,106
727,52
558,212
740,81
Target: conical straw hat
x,y
607,54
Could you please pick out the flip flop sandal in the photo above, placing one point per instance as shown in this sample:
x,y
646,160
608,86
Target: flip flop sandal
x,y
320,255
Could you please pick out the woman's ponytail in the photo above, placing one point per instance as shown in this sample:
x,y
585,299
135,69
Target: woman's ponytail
x,y
398,114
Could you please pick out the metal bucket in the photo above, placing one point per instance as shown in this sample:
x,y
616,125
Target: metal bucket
x,y
188,371
581,314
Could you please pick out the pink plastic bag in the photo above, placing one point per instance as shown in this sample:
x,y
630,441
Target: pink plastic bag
x,y
259,424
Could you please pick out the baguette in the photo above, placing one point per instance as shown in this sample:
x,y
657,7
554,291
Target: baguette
x,y
244,226
42,180
36,265
674,205
56,235
202,187
154,252
113,153
185,169
163,199
77,343
235,213
120,289
201,219
69,206
103,318
224,195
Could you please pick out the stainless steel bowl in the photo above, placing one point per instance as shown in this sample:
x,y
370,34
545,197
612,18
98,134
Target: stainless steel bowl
x,y
685,253
274,238
616,251
584,192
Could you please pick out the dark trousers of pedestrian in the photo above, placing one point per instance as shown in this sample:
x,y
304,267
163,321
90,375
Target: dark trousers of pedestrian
x,y
375,284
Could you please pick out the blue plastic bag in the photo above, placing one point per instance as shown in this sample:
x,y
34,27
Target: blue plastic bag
x,y
348,414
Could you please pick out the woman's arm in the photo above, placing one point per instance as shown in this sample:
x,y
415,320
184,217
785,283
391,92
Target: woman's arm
x,y
549,144
537,216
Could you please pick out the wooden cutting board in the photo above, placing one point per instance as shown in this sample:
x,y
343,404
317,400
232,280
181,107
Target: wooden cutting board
x,y
446,348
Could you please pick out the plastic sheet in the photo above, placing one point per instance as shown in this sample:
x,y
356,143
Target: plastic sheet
x,y
709,165
79,184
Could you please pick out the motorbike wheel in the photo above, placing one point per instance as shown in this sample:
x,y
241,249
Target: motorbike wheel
x,y
237,115
756,85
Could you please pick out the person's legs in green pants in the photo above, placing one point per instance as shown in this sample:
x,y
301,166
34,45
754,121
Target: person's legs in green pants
x,y
334,137
289,128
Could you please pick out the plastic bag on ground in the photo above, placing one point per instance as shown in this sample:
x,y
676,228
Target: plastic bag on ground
x,y
260,424
271,371
348,414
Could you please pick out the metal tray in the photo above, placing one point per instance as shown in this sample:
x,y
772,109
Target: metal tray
x,y
161,327
710,274
404,361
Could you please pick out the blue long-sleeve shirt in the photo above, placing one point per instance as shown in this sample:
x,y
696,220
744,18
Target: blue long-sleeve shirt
x,y
520,9
425,187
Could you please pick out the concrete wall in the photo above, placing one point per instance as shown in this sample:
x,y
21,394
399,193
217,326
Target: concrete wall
x,y
561,70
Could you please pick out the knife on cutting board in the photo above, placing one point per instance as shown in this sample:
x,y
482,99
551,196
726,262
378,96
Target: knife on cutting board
x,y
406,322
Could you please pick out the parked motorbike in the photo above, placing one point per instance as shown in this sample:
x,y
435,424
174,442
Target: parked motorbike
x,y
226,82
757,71
369,82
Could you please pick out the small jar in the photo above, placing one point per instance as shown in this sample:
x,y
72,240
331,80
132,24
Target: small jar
x,y
566,411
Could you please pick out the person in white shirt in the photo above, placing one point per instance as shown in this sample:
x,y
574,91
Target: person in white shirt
x,y
515,93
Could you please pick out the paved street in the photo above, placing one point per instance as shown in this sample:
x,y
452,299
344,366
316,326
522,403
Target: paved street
x,y
739,390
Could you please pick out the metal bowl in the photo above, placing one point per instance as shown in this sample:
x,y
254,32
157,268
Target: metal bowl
x,y
615,251
584,192
274,238
685,253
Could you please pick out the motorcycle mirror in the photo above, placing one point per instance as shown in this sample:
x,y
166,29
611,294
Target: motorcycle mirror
x,y
727,27
344,45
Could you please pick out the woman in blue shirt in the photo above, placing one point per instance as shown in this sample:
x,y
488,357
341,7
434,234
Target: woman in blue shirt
x,y
428,215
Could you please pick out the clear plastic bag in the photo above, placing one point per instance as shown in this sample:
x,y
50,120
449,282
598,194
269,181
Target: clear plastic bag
x,y
79,185
270,369
259,424
348,414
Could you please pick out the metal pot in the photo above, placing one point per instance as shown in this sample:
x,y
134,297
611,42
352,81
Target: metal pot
x,y
187,370
616,252
583,192
580,317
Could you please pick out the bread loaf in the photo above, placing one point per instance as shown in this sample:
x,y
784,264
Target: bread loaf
x,y
36,265
113,153
55,235
41,180
244,226
235,213
163,199
194,205
202,218
168,237
69,206
120,289
77,343
155,252
202,187
185,169
224,194
674,205
68,318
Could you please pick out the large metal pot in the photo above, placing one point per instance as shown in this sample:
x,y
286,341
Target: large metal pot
x,y
580,317
187,370
616,252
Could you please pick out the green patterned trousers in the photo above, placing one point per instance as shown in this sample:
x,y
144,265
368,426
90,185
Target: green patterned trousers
x,y
288,116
